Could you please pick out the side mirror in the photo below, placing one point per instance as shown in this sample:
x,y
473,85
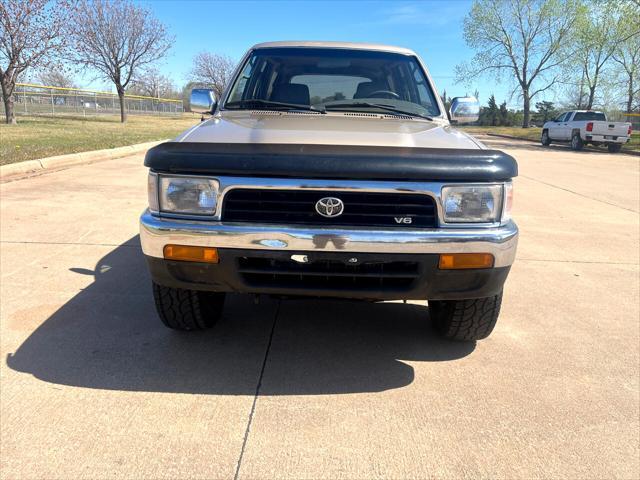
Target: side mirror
x,y
203,100
464,110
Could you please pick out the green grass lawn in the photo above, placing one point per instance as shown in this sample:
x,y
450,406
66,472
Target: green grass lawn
x,y
39,137
533,133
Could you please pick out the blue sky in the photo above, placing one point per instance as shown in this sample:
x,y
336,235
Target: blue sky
x,y
432,28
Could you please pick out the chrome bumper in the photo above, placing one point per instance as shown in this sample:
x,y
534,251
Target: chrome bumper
x,y
157,232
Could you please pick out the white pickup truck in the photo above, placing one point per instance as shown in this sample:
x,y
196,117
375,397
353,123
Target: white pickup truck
x,y
582,126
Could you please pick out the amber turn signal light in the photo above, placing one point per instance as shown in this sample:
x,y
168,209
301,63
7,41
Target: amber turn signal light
x,y
459,261
186,253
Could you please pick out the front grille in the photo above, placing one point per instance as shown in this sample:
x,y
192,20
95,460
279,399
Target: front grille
x,y
328,274
365,209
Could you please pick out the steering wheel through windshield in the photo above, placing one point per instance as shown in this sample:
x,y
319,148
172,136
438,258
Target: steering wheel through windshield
x,y
383,94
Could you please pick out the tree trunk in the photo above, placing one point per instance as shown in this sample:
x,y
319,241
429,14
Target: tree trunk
x,y
630,93
526,109
9,111
592,95
123,112
579,106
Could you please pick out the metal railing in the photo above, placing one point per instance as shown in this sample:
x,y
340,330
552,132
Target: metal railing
x,y
32,99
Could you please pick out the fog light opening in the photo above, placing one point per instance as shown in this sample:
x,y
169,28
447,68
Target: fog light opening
x,y
460,261
187,253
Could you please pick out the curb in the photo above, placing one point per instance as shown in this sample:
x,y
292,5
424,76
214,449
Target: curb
x,y
69,160
501,135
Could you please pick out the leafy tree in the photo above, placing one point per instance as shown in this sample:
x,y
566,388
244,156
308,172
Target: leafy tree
x,y
116,38
602,28
627,57
504,114
489,115
492,110
546,111
32,34
525,39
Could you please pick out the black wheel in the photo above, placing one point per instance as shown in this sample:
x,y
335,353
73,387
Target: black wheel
x,y
465,319
187,309
545,140
614,147
576,142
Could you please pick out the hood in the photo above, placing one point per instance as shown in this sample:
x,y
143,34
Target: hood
x,y
330,129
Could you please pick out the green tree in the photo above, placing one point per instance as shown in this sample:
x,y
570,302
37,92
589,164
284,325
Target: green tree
x,y
546,111
627,58
601,29
492,110
489,115
504,114
525,39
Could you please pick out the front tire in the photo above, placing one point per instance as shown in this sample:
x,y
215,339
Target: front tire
x,y
545,140
187,310
576,142
465,320
614,147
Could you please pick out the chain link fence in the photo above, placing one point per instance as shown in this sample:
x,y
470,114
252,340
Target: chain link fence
x,y
31,99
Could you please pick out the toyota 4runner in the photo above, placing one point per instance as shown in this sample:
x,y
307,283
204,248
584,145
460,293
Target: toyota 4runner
x,y
330,170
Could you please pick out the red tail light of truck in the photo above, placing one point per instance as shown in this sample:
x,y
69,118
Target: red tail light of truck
x,y
590,127
629,131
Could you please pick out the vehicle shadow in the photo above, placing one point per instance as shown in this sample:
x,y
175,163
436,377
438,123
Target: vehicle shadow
x,y
109,337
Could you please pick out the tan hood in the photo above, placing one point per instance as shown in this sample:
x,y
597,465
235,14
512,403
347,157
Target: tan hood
x,y
329,129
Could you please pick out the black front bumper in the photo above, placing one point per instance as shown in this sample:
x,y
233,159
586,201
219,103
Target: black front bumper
x,y
374,276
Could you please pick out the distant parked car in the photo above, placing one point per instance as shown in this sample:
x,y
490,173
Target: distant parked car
x,y
581,127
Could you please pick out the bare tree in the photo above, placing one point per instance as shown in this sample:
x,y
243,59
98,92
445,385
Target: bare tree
x,y
56,76
151,83
116,38
31,34
212,69
523,38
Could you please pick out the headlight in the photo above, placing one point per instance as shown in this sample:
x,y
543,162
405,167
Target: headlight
x,y
472,204
190,195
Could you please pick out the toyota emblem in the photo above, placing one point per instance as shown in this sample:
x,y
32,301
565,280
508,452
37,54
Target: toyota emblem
x,y
330,207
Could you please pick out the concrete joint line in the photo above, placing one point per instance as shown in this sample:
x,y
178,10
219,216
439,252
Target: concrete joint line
x,y
255,397
579,194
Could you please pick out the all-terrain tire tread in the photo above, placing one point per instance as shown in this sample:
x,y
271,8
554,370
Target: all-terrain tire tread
x,y
467,319
181,309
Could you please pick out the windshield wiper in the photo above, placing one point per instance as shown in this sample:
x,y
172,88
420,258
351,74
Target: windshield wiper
x,y
269,103
388,108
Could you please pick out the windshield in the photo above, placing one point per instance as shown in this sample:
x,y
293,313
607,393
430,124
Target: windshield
x,y
580,116
333,79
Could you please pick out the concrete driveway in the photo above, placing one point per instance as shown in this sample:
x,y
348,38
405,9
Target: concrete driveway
x,y
92,386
